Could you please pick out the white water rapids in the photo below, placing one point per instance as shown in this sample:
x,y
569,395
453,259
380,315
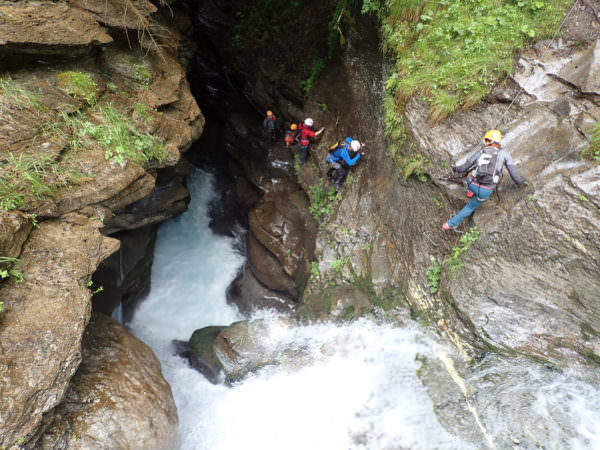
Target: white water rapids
x,y
360,385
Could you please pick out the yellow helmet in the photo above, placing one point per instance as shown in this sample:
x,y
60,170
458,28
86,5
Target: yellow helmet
x,y
269,113
293,126
493,135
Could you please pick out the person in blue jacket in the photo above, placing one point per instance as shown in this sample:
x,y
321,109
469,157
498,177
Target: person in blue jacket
x,y
339,157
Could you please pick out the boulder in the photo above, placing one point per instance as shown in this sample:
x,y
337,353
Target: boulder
x,y
200,352
267,268
44,319
249,295
118,397
282,224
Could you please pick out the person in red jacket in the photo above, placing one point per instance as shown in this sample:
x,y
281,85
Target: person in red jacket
x,y
306,137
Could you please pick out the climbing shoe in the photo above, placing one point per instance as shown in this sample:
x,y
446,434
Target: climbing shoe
x,y
470,194
447,227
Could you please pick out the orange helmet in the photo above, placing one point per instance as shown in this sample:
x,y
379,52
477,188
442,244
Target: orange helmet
x,y
293,126
269,113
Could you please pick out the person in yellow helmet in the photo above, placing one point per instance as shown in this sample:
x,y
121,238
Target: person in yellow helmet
x,y
486,165
271,127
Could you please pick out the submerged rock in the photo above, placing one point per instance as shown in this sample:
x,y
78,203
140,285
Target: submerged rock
x,y
118,397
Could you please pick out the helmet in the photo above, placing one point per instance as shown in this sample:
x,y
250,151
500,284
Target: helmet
x,y
355,145
293,126
494,136
308,122
269,113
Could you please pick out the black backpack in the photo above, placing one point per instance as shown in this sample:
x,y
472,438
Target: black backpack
x,y
485,167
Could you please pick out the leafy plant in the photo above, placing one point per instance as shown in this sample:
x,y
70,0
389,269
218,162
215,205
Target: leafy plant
x,y
338,264
454,261
317,68
8,269
433,273
321,201
80,85
414,166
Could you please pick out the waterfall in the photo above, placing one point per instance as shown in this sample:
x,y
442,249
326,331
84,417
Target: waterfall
x,y
359,385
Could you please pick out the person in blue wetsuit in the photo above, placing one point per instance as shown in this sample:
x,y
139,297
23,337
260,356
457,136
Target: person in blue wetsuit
x,y
339,157
486,164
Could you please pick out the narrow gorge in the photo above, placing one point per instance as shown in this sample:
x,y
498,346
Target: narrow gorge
x,y
173,279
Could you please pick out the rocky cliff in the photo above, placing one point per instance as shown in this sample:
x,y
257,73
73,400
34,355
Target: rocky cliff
x,y
95,108
526,282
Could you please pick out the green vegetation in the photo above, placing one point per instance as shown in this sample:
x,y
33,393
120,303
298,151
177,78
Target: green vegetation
x,y
28,177
437,200
8,269
454,261
433,273
314,270
338,264
80,85
452,52
414,166
142,76
321,201
593,150
317,68
13,93
120,140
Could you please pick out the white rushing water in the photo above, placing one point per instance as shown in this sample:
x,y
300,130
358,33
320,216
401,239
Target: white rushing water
x,y
352,386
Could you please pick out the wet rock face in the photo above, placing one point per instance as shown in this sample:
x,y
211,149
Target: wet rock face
x,y
103,406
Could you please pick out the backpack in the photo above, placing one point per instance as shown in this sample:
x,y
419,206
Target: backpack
x,y
485,167
291,137
335,151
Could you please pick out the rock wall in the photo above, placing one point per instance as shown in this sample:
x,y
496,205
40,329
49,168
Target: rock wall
x,y
60,237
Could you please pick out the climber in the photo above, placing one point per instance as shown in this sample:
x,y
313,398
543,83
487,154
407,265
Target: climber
x,y
339,156
292,135
486,164
306,136
271,127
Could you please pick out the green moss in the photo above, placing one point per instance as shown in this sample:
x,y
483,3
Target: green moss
x,y
80,85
